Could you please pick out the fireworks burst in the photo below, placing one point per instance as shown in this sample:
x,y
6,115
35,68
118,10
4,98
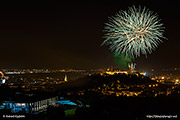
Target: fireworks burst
x,y
133,32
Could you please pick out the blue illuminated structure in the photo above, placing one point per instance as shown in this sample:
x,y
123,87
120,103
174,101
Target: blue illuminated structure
x,y
17,106
63,101
66,102
29,105
34,107
31,102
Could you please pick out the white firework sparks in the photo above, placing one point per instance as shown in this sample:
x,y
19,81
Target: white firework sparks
x,y
133,32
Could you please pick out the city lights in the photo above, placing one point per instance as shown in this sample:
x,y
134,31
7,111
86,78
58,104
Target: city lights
x,y
89,60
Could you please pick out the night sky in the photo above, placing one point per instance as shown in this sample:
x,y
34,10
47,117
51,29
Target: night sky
x,y
56,34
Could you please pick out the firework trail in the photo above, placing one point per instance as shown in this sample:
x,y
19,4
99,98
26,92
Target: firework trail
x,y
133,32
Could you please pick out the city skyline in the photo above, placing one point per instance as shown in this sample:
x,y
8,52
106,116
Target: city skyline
x,y
69,34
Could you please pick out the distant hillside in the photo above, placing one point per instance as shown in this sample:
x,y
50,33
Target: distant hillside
x,y
97,80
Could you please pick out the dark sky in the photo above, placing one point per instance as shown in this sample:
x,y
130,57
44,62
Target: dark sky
x,y
56,34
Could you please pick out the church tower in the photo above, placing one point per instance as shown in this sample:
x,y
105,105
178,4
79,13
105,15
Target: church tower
x,y
65,78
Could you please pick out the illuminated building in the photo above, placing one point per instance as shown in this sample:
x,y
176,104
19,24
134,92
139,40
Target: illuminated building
x,y
2,78
29,106
116,72
176,81
28,102
143,73
65,78
132,67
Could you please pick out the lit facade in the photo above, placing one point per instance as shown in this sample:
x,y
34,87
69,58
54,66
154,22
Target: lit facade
x,y
28,106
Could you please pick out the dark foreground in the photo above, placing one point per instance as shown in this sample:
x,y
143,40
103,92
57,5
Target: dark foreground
x,y
111,108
